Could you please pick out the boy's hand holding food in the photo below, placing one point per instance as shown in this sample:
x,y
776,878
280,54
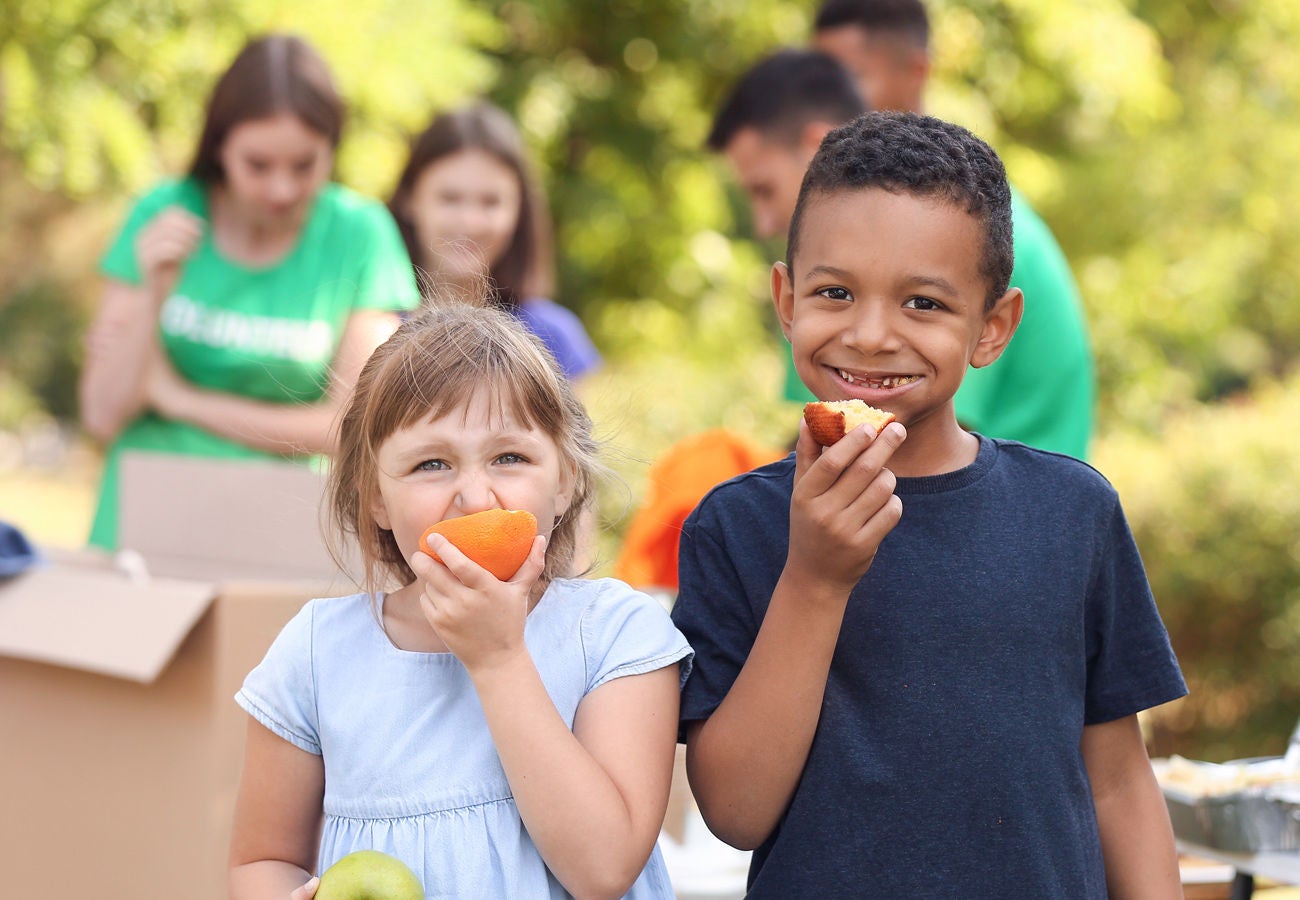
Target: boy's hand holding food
x,y
843,503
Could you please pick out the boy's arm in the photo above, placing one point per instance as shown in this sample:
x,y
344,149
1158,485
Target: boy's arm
x,y
1137,840
746,759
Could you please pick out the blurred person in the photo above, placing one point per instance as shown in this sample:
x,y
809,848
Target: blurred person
x,y
769,127
242,299
1042,391
469,208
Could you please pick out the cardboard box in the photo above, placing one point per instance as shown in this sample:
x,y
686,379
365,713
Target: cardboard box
x,y
120,742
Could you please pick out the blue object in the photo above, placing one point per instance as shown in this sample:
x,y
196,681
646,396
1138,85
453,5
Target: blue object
x,y
16,552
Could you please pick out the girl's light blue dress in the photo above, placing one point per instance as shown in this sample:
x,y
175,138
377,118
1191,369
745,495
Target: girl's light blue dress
x,y
410,768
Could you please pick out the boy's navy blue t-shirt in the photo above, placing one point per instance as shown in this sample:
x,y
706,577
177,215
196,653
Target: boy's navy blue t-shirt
x,y
1007,610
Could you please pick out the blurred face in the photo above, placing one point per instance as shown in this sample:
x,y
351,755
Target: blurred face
x,y
890,73
464,208
274,167
465,462
885,303
770,172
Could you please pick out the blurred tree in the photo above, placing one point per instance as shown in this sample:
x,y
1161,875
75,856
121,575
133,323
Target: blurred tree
x,y
1158,137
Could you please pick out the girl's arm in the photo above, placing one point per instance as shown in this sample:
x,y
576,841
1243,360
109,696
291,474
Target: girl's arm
x,y
275,427
122,344
593,799
277,818
1137,840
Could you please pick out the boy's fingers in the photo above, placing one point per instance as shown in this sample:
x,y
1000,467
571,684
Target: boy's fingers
x,y
855,460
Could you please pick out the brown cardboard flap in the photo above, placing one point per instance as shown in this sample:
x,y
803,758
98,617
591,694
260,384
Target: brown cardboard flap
x,y
98,621
225,519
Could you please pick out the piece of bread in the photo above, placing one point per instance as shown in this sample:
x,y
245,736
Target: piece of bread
x,y
830,420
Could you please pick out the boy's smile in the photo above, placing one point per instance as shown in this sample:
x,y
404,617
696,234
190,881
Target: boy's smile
x,y
885,302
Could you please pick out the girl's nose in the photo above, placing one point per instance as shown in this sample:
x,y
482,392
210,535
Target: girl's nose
x,y
474,494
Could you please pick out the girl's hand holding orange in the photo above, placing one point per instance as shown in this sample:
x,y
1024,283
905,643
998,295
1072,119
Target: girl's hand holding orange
x,y
476,614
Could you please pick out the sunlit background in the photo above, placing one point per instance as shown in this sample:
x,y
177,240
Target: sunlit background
x,y
1159,139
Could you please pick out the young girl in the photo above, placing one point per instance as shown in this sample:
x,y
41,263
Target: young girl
x,y
504,739
468,207
241,300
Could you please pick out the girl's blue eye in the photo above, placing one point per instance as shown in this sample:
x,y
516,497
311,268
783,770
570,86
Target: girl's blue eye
x,y
510,458
431,465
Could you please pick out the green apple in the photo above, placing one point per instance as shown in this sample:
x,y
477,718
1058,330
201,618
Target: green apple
x,y
369,875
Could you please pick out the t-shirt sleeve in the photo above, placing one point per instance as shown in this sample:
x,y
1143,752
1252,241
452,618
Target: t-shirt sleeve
x,y
629,633
385,278
1041,391
563,334
119,260
281,692
711,610
1131,664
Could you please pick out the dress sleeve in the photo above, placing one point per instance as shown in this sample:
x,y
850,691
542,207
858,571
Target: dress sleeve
x,y
627,632
281,692
1131,664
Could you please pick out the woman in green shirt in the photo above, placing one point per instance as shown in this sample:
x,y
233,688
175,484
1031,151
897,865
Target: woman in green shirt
x,y
241,300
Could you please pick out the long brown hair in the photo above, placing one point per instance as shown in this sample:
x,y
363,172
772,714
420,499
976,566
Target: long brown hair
x,y
526,268
271,75
430,366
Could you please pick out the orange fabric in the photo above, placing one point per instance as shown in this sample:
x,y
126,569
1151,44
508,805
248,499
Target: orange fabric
x,y
678,480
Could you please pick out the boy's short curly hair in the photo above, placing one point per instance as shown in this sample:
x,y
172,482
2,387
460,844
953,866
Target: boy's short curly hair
x,y
924,156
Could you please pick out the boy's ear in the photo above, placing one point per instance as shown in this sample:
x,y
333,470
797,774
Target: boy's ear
x,y
1000,324
783,296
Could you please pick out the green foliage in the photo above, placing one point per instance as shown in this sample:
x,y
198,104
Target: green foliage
x,y
103,97
40,355
1158,138
1214,503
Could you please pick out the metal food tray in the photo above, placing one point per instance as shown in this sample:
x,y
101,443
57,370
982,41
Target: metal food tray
x,y
1243,822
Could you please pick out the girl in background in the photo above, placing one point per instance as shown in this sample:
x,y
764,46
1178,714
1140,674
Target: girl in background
x,y
469,208
242,299
502,738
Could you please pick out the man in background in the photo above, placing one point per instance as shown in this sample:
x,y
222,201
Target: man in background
x,y
769,127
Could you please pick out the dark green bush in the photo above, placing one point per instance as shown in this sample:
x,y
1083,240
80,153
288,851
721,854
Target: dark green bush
x,y
41,330
1214,502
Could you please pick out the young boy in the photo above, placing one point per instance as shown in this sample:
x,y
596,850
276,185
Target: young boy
x,y
919,654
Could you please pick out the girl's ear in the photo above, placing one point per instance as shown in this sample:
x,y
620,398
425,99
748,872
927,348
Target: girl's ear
x,y
783,296
568,482
379,512
1000,324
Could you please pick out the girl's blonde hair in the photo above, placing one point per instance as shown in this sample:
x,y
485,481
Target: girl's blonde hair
x,y
431,366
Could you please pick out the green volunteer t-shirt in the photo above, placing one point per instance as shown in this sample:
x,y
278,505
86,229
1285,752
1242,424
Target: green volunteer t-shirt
x,y
1041,391
266,333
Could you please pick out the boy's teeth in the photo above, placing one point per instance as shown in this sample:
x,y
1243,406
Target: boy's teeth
x,y
891,381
